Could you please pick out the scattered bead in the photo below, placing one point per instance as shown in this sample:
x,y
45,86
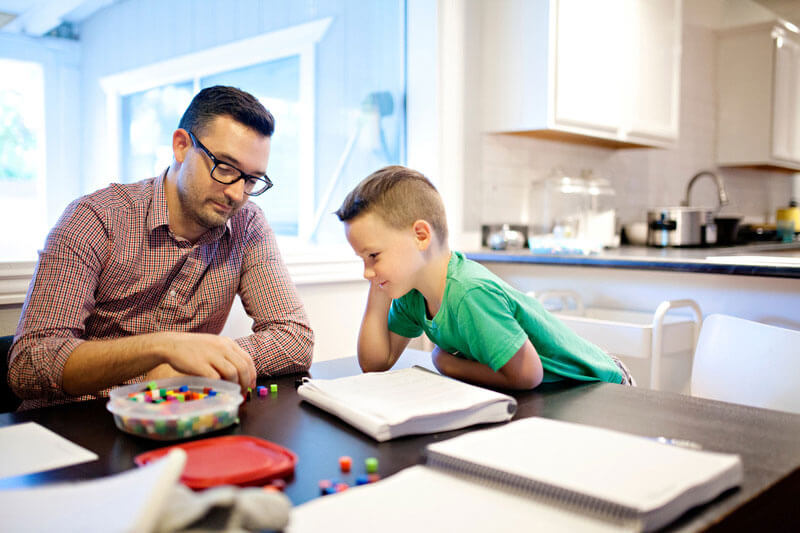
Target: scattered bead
x,y
341,487
362,480
273,387
345,463
372,465
372,478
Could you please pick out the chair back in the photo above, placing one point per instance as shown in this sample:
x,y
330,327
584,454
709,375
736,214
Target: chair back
x,y
8,400
746,362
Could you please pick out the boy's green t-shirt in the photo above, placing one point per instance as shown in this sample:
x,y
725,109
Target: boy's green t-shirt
x,y
485,319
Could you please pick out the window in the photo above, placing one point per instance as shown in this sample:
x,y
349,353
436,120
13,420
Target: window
x,y
336,120
22,158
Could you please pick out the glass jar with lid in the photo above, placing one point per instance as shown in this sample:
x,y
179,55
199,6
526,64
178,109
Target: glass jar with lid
x,y
557,204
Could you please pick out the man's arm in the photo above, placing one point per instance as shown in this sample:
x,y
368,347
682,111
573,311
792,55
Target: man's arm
x,y
50,360
523,371
282,341
378,348
99,364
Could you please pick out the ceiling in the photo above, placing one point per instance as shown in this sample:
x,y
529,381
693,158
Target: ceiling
x,y
37,17
786,9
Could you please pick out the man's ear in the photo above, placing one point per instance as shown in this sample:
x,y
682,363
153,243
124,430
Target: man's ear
x,y
423,233
181,144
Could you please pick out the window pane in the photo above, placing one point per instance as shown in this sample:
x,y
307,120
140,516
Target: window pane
x,y
148,120
22,160
277,85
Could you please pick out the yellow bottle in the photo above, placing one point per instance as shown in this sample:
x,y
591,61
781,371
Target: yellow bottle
x,y
788,221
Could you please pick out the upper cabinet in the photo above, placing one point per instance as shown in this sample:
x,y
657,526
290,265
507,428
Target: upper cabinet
x,y
605,72
758,79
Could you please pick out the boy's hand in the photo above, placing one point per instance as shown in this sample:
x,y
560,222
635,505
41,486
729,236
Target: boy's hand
x,y
378,348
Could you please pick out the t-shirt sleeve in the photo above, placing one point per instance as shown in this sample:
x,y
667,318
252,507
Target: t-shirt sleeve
x,y
401,318
486,321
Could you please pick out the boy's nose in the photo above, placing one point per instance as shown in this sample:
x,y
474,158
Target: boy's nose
x,y
368,273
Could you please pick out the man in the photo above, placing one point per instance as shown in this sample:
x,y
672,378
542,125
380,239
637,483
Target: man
x,y
136,281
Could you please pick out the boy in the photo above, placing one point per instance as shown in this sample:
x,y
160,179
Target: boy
x,y
485,331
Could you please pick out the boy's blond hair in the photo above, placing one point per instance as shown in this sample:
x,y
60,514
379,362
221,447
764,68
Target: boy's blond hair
x,y
399,196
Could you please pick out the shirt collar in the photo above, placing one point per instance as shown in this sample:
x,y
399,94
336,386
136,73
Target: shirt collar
x,y
159,215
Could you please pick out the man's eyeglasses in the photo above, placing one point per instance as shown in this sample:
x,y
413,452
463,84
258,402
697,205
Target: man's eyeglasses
x,y
226,173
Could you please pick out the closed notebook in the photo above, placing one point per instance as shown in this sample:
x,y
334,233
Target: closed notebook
x,y
410,401
532,474
609,473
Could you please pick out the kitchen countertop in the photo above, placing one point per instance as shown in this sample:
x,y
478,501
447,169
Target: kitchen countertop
x,y
771,259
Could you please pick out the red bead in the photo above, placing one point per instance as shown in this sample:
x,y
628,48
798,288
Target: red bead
x,y
345,463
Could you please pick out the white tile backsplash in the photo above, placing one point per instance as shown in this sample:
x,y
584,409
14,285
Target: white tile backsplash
x,y
642,178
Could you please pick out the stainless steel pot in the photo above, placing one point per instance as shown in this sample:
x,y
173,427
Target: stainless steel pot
x,y
681,226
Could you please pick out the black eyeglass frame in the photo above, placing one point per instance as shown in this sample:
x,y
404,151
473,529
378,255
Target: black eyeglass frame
x,y
242,176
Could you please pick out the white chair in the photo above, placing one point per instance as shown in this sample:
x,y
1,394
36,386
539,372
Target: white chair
x,y
746,362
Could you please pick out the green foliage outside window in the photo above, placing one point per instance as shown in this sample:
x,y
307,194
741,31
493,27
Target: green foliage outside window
x,y
17,141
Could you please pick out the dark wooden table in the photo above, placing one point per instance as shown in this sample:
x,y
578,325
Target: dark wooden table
x,y
768,441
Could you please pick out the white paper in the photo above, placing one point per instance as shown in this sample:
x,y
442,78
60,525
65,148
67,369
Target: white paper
x,y
408,401
29,448
398,395
128,502
425,499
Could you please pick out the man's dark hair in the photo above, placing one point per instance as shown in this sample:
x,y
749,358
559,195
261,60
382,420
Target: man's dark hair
x,y
220,100
399,196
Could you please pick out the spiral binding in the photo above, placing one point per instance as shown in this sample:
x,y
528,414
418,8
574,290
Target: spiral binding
x,y
553,494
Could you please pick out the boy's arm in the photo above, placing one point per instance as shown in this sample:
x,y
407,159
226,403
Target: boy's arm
x,y
378,348
523,371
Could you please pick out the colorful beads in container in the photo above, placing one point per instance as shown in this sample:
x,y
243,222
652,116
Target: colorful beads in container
x,y
175,408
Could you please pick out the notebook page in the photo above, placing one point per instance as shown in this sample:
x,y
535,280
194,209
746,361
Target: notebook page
x,y
130,501
425,499
399,395
29,448
633,471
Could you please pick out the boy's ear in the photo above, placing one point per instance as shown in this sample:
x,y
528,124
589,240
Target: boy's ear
x,y
423,233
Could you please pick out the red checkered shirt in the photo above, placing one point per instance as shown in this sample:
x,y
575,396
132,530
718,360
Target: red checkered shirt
x,y
111,268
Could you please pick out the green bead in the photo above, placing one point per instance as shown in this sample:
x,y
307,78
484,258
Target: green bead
x,y
273,387
371,464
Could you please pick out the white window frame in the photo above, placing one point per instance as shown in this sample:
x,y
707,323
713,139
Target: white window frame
x,y
299,40
317,264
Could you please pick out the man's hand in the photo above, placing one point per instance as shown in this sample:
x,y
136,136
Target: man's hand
x,y
96,365
162,371
207,355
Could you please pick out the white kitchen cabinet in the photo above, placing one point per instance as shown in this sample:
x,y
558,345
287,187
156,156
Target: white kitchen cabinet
x,y
758,79
605,72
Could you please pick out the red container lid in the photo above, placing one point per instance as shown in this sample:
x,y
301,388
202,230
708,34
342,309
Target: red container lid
x,y
229,460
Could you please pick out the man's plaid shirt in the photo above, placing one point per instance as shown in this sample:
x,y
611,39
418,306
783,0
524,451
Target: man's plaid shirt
x,y
111,268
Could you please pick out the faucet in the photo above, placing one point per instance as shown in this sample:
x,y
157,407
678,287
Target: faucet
x,y
723,195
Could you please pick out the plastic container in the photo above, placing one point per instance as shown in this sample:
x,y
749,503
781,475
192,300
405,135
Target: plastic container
x,y
174,419
636,335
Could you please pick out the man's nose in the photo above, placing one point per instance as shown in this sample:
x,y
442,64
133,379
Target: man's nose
x,y
235,191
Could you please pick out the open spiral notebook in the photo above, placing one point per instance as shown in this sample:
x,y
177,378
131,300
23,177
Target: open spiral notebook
x,y
535,472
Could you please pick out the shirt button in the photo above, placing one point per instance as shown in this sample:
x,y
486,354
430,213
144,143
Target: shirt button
x,y
172,293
